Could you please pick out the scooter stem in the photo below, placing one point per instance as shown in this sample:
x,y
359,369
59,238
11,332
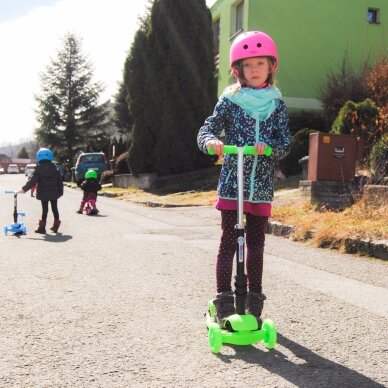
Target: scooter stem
x,y
240,278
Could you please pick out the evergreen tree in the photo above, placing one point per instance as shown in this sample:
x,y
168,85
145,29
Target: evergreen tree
x,y
139,97
69,114
182,41
122,118
23,154
169,78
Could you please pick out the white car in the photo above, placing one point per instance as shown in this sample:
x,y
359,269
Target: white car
x,y
13,169
30,168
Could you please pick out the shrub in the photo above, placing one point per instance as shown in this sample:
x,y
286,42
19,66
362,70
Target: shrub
x,y
362,119
306,119
300,147
376,80
106,177
121,165
341,87
378,159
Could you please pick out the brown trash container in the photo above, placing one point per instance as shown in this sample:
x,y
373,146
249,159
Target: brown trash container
x,y
333,157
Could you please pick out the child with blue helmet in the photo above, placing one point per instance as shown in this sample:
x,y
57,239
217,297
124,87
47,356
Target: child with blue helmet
x,y
49,183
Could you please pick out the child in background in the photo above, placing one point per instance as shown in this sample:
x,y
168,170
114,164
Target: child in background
x,y
33,188
250,112
90,187
49,185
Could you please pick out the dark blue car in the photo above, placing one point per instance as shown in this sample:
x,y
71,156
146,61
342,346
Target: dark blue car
x,y
96,161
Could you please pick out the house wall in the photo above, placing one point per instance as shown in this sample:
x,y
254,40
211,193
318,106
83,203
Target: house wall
x,y
312,36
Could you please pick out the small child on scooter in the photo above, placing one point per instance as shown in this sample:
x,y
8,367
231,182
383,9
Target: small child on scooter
x,y
250,112
90,187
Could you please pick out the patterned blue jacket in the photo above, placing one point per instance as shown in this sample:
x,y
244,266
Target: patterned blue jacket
x,y
240,130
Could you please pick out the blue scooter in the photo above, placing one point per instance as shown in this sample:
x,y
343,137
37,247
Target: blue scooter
x,y
17,228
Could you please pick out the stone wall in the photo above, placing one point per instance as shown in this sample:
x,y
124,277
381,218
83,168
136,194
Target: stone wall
x,y
331,194
142,181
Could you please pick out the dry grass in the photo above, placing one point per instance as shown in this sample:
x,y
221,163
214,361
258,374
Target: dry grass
x,y
189,198
363,220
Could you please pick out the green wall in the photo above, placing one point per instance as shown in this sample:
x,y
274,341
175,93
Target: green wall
x,y
312,38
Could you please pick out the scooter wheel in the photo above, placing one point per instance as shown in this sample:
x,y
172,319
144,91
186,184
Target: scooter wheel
x,y
215,338
270,334
211,309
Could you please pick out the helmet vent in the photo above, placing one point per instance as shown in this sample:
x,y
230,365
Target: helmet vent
x,y
258,45
245,46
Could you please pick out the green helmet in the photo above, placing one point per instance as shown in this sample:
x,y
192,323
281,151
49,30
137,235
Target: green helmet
x,y
91,174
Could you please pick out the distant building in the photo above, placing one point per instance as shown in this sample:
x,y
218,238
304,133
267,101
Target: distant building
x,y
5,161
313,37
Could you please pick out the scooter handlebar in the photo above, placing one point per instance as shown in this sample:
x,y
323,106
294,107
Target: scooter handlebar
x,y
248,150
11,192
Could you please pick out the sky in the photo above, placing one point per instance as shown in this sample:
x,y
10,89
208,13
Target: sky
x,y
31,32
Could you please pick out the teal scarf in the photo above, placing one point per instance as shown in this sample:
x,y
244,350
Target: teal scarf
x,y
257,103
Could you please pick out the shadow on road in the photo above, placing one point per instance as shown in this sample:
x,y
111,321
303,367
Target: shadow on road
x,y
59,237
311,370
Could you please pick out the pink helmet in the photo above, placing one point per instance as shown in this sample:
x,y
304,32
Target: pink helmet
x,y
253,44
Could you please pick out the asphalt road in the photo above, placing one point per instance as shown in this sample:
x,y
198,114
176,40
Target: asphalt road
x,y
118,300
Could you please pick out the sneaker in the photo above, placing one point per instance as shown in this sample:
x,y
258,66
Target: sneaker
x,y
224,304
255,304
79,211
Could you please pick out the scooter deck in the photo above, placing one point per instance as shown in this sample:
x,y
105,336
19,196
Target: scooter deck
x,y
241,330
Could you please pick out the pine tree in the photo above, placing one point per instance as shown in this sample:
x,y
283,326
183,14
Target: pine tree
x,y
69,114
23,154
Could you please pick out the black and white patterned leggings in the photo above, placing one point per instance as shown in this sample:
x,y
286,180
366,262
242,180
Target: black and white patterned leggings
x,y
255,236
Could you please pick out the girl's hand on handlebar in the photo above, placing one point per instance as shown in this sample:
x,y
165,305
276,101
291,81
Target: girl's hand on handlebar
x,y
216,145
20,191
260,148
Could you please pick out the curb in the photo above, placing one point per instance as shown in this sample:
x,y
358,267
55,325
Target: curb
x,y
373,248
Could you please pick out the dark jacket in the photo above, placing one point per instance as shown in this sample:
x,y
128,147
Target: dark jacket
x,y
90,186
49,180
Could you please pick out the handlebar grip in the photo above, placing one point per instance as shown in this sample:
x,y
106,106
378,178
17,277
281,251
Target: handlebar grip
x,y
248,150
10,192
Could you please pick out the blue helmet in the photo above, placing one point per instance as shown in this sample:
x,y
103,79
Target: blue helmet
x,y
44,154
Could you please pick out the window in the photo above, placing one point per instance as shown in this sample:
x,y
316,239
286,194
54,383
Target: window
x,y
373,16
239,17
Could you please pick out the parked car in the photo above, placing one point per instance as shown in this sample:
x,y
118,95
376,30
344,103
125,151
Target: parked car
x,y
13,169
1,170
96,161
30,168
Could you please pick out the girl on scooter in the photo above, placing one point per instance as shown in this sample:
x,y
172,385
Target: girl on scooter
x,y
250,112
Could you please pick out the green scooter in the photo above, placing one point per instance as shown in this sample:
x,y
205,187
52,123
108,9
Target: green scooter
x,y
239,328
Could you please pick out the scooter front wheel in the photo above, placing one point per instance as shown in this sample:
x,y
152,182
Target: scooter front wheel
x,y
270,334
215,338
